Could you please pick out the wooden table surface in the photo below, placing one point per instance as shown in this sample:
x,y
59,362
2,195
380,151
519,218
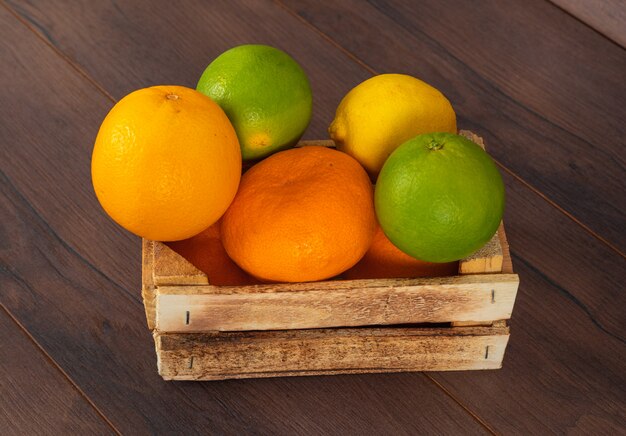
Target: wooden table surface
x,y
543,82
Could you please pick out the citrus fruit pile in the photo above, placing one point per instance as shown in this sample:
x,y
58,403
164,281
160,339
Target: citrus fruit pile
x,y
401,195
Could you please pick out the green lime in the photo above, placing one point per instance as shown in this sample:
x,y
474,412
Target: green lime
x,y
265,94
439,197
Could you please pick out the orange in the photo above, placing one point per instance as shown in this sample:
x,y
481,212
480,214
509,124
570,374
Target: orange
x,y
300,215
166,163
385,260
206,252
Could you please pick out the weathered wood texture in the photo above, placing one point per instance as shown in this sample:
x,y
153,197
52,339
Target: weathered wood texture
x,y
32,388
507,262
606,16
181,307
170,268
487,260
215,356
340,303
336,304
148,294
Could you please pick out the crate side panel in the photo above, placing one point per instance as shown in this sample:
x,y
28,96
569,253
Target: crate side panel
x,y
507,263
338,351
170,268
486,260
148,292
426,301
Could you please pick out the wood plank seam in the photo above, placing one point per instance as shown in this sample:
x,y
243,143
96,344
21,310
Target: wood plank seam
x,y
58,367
509,171
572,298
589,25
59,53
8,182
457,400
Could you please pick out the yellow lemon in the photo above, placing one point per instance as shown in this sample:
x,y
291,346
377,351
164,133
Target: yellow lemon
x,y
381,113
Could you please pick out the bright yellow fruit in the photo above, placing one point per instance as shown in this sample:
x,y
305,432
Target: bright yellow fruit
x,y
381,113
166,163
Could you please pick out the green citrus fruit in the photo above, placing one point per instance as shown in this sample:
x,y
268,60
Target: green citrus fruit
x,y
439,197
265,94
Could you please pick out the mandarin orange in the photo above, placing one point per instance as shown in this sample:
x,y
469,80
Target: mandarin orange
x,y
385,260
206,252
300,215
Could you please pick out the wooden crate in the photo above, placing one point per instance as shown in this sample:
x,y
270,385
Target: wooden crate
x,y
205,332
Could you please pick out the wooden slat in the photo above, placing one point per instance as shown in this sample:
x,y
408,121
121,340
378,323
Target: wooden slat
x,y
336,304
170,268
507,263
606,16
36,398
336,351
148,294
486,260
507,68
72,277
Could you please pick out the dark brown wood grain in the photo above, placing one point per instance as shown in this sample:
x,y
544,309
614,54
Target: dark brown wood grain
x,y
125,46
561,372
545,91
36,397
68,275
606,16
72,278
254,354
